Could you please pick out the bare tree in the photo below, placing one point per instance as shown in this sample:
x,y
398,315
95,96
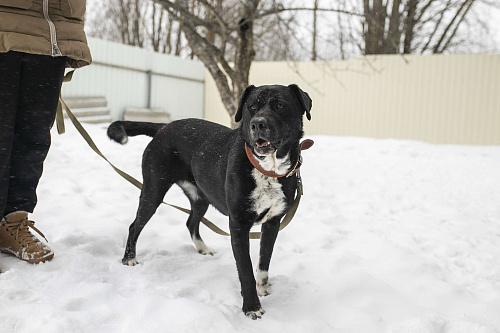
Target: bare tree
x,y
274,38
414,26
224,34
220,34
392,27
128,15
314,55
137,22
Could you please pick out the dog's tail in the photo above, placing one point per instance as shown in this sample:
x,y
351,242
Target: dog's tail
x,y
119,131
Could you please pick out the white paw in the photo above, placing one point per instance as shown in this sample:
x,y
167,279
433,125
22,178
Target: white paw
x,y
264,290
202,248
255,314
132,262
263,285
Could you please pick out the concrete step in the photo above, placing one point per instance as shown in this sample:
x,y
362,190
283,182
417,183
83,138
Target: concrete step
x,y
143,114
89,112
89,109
85,102
96,119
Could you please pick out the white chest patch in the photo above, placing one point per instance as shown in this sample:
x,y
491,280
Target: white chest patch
x,y
273,163
268,194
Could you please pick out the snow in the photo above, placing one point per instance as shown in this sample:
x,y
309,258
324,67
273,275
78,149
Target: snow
x,y
391,236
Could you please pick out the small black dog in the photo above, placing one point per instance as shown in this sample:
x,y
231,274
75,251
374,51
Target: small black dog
x,y
210,163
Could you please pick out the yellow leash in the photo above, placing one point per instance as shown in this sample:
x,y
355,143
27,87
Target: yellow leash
x,y
61,129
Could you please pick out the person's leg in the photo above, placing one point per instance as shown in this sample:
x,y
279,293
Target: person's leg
x,y
10,74
10,69
39,88
40,85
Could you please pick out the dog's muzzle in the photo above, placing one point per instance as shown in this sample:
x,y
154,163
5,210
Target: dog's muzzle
x,y
260,129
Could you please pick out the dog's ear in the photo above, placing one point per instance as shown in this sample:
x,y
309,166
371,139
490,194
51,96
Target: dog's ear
x,y
304,99
239,112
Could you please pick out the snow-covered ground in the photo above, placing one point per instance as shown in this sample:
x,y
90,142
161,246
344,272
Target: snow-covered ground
x,y
391,236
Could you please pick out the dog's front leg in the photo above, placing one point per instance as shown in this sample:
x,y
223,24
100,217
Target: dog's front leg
x,y
241,249
268,236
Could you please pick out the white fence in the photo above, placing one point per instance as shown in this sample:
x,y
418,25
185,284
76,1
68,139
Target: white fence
x,y
440,98
131,77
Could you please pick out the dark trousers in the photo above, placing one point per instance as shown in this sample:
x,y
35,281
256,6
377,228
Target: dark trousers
x,y
29,92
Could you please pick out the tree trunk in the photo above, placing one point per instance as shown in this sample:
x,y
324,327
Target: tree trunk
x,y
341,37
380,14
409,26
368,31
178,41
244,56
156,28
394,34
315,16
124,26
136,27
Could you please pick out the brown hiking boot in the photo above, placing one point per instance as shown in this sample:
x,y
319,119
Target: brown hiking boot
x,y
17,239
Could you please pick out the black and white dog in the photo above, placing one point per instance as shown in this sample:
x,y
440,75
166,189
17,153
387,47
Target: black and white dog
x,y
212,164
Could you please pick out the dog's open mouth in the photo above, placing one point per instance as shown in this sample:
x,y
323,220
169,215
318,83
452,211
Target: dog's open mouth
x,y
263,147
262,143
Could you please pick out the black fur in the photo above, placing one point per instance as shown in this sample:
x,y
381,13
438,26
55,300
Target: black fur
x,y
212,160
119,131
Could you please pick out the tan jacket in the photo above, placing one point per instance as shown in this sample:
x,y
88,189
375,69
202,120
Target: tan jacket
x,y
47,27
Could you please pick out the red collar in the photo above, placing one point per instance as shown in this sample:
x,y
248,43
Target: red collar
x,y
306,144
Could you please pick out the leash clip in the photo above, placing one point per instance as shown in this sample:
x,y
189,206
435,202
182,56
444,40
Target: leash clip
x,y
300,187
296,167
304,145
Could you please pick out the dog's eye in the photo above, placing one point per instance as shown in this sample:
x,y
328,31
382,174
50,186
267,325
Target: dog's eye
x,y
280,106
253,107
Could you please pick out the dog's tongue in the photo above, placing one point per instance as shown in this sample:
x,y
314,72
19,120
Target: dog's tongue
x,y
261,143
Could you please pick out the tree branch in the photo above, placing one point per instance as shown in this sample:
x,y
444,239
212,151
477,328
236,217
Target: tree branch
x,y
456,27
281,9
448,27
434,31
187,15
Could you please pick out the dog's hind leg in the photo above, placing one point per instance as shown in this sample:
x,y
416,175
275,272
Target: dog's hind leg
x,y
198,208
151,197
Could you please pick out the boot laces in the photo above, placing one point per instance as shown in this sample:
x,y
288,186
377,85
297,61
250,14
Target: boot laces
x,y
21,231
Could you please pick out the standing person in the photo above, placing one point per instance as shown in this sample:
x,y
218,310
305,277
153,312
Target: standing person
x,y
38,40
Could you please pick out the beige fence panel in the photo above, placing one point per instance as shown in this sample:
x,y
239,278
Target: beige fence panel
x,y
450,99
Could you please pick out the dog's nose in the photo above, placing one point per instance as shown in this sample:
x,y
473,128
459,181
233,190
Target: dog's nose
x,y
259,124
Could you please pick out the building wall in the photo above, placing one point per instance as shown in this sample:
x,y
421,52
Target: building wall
x,y
120,73
445,99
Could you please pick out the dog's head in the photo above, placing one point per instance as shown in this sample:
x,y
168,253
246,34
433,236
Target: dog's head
x,y
272,117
